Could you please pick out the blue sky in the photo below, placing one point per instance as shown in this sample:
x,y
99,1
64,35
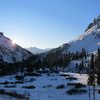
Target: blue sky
x,y
46,23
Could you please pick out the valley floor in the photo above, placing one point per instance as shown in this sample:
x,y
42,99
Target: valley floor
x,y
46,87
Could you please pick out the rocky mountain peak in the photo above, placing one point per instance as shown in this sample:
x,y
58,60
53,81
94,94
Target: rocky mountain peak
x,y
96,21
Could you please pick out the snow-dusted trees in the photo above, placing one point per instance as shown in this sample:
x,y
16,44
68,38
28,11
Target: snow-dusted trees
x,y
57,58
79,54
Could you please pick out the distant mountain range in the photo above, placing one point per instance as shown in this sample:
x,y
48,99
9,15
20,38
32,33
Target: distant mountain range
x,y
35,50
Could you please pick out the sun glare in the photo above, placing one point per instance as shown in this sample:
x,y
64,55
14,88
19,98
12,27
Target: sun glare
x,y
14,41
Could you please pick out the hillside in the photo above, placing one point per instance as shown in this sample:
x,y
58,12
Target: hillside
x,y
10,52
90,40
73,51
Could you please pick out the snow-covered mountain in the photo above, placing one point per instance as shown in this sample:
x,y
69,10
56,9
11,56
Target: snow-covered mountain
x,y
35,50
10,52
90,40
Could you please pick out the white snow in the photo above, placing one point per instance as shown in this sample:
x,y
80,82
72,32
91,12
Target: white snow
x,y
44,91
90,40
72,66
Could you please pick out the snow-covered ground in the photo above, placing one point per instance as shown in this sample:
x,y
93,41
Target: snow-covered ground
x,y
46,87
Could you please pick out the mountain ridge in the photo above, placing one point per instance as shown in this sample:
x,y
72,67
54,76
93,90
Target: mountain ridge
x,y
10,52
90,39
36,50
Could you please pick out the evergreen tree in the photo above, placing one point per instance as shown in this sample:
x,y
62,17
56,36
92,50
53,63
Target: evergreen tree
x,y
91,78
83,53
81,66
97,64
76,67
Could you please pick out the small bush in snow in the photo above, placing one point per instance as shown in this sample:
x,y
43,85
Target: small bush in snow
x,y
71,78
48,86
77,85
19,77
32,79
54,79
44,87
33,74
12,94
29,87
43,72
6,82
2,91
65,75
19,82
16,95
99,91
76,91
60,86
12,86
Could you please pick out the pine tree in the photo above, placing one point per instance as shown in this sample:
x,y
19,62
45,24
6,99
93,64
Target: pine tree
x,y
83,53
76,67
81,66
91,78
97,64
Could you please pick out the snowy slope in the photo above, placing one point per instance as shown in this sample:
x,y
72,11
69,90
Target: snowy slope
x,y
43,92
90,39
35,50
10,52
